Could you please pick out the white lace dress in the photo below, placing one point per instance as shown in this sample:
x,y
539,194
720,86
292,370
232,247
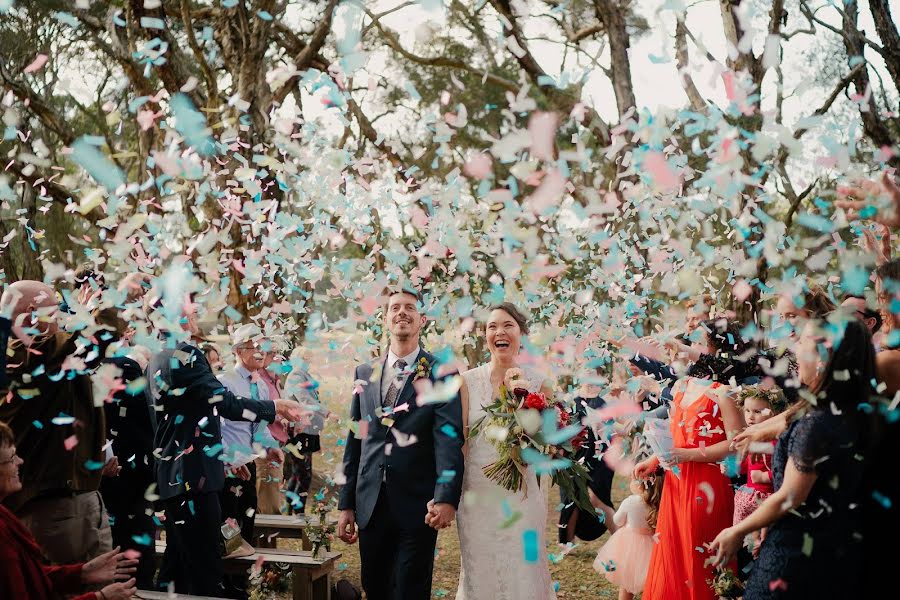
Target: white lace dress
x,y
493,521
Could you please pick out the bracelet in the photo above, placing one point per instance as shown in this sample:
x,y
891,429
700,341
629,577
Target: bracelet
x,y
102,595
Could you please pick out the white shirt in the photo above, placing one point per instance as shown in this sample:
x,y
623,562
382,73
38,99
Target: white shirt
x,y
390,372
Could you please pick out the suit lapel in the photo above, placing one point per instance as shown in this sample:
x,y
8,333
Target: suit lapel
x,y
409,389
372,391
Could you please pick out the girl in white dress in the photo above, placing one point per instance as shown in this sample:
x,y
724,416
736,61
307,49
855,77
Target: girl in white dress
x,y
501,533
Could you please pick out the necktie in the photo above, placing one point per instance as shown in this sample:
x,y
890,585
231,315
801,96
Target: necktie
x,y
391,396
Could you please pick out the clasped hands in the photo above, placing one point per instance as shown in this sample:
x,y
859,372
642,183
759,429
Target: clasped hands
x,y
440,515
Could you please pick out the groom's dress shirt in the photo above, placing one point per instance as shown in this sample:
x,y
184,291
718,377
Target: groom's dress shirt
x,y
238,437
390,372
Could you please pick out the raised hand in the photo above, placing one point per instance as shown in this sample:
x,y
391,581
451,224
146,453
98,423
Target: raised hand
x,y
867,192
242,472
111,566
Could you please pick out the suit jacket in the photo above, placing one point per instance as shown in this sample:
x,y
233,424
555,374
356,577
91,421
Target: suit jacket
x,y
53,383
129,427
412,474
189,400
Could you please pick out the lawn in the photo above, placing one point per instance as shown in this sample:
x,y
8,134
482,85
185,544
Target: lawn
x,y
573,573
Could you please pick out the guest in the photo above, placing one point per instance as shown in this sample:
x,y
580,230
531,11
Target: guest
x,y
299,462
130,429
49,373
270,468
887,285
858,307
213,357
815,304
625,557
697,501
758,405
189,399
574,522
243,441
26,573
812,526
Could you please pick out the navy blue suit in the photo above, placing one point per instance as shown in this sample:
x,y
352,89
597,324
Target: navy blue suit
x,y
389,484
189,401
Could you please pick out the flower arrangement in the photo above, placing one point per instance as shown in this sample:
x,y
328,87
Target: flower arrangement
x,y
269,580
528,428
422,369
320,531
725,584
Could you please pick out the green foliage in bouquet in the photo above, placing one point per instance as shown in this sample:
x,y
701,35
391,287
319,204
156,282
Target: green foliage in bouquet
x,y
725,584
517,449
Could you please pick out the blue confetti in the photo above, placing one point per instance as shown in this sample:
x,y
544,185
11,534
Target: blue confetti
x,y
103,170
191,124
530,548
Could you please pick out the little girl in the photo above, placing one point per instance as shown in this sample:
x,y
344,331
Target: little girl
x,y
758,405
625,557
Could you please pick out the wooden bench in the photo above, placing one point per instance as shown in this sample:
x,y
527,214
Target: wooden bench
x,y
268,528
310,579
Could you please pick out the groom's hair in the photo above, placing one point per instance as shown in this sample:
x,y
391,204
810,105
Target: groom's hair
x,y
390,292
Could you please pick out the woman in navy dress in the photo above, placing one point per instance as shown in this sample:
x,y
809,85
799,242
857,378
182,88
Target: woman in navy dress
x,y
810,548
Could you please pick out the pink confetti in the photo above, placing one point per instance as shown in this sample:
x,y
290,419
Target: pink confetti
x,y
70,442
741,290
664,178
39,61
542,127
479,166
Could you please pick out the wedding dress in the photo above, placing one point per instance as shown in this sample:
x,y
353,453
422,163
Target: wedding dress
x,y
495,523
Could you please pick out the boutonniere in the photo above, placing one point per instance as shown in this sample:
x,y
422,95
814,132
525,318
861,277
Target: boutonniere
x,y
423,369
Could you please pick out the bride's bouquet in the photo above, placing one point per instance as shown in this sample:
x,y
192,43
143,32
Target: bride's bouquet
x,y
528,428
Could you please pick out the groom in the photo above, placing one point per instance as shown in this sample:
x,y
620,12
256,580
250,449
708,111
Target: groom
x,y
404,460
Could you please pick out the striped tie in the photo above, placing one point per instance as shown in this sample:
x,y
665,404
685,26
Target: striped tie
x,y
394,390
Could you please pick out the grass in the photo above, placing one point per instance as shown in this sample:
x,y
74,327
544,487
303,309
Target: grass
x,y
573,573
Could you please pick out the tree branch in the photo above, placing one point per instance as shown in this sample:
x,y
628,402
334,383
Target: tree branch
x,y
683,61
212,87
52,190
438,61
305,56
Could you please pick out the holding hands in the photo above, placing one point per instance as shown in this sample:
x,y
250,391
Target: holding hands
x,y
440,515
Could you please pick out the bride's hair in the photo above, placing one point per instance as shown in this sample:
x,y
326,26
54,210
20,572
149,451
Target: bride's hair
x,y
513,311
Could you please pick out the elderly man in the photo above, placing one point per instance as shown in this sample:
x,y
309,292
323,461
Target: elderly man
x,y
243,442
59,431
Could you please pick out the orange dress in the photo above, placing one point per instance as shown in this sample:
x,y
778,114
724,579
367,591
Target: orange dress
x,y
696,505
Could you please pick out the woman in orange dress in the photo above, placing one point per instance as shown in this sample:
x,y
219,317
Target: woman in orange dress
x,y
698,499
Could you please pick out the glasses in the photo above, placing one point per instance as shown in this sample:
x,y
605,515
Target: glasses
x,y
10,460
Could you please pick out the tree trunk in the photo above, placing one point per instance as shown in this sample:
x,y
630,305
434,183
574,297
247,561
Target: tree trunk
x,y
613,16
890,38
868,110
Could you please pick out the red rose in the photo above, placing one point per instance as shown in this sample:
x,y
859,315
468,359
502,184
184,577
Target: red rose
x,y
562,417
579,440
520,393
535,401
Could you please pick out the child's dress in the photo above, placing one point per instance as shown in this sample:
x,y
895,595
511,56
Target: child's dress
x,y
750,495
625,557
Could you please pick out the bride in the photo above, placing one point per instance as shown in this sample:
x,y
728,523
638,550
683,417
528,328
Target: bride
x,y
501,533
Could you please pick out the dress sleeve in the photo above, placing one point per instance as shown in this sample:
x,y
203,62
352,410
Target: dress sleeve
x,y
810,442
65,579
